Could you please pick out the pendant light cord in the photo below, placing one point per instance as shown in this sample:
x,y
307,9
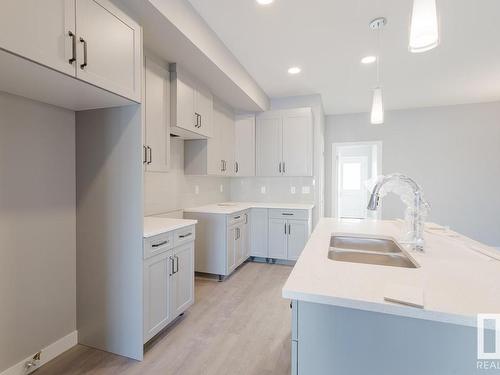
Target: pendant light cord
x,y
378,57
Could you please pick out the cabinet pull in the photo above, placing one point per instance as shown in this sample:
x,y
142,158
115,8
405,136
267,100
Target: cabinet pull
x,y
145,155
177,263
198,120
236,167
73,47
172,270
286,214
149,155
236,217
160,244
280,167
185,235
246,218
289,229
201,121
285,228
82,66
284,170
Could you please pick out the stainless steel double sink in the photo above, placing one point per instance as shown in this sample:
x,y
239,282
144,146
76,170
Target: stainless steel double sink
x,y
381,251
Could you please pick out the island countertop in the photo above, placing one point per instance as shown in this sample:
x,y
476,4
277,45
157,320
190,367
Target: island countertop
x,y
459,277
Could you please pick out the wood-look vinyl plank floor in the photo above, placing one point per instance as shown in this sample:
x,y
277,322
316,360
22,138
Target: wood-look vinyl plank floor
x,y
237,327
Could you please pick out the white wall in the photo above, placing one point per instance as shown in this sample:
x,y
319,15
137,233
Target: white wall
x,y
278,188
453,152
165,192
37,227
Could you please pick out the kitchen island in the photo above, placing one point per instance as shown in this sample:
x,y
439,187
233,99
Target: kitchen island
x,y
342,323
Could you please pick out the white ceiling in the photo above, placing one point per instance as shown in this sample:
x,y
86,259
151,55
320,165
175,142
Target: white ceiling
x,y
327,39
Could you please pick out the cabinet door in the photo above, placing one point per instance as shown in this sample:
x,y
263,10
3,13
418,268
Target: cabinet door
x,y
157,272
113,42
228,147
259,226
246,236
156,103
182,292
277,238
297,142
244,127
231,250
183,114
40,31
203,105
268,132
298,233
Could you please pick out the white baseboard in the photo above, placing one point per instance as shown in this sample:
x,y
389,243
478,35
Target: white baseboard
x,y
48,353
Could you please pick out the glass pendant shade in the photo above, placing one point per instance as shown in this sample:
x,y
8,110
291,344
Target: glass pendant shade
x,y
377,113
424,32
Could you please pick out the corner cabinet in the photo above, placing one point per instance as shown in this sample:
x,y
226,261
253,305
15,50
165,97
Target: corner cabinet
x,y
168,274
91,40
191,106
156,127
284,143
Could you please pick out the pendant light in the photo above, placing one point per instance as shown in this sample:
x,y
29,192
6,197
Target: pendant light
x,y
377,112
424,31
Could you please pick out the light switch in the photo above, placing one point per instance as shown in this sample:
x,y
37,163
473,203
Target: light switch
x,y
292,189
197,189
221,188
306,190
263,190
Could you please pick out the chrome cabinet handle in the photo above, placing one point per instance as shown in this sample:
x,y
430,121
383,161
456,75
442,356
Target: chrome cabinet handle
x,y
280,167
82,66
285,228
236,217
289,229
73,47
236,167
201,121
198,120
172,270
286,214
284,170
177,263
149,155
160,244
185,235
145,155
246,218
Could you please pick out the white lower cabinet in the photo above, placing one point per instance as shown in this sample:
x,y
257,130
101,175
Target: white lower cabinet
x,y
279,234
168,280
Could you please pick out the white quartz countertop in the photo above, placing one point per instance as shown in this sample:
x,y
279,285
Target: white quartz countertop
x,y
158,225
458,277
232,207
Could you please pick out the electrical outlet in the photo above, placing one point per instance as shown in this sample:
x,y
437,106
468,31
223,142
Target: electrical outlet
x,y
221,188
292,190
306,190
263,190
197,189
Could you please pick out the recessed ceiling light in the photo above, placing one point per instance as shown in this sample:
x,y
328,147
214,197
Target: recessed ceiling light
x,y
368,59
265,2
294,70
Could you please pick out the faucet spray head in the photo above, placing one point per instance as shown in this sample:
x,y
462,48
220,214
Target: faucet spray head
x,y
374,201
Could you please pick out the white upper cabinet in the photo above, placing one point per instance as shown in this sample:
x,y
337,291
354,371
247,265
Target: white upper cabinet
x,y
192,106
157,129
269,142
285,143
109,48
244,155
91,40
297,142
42,31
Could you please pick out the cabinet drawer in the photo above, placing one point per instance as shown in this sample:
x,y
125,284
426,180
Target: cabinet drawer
x,y
239,217
184,235
289,214
158,244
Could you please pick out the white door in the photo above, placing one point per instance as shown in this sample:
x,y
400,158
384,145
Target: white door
x,y
109,48
157,99
352,175
157,272
277,238
297,238
245,145
203,106
231,249
259,226
40,31
297,142
183,279
268,138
